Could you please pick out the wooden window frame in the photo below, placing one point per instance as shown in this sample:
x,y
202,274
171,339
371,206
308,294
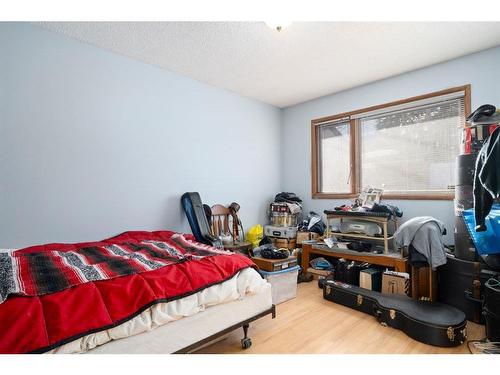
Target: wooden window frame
x,y
354,147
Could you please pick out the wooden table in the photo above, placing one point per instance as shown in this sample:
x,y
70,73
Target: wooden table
x,y
394,261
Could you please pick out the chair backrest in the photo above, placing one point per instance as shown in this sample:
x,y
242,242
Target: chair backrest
x,y
220,220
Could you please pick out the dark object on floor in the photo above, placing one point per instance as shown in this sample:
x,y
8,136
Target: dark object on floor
x,y
197,218
428,322
491,309
486,179
347,271
322,280
304,277
287,197
271,253
461,284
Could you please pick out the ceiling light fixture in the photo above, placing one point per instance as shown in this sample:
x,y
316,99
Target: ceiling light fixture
x,y
278,25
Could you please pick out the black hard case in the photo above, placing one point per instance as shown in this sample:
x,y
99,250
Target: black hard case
x,y
461,284
428,322
195,213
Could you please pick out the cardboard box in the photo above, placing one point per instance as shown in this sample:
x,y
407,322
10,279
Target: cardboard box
x,y
371,279
284,243
306,236
302,236
318,273
272,265
395,282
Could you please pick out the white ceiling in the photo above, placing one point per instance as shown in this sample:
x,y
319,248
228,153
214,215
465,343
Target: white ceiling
x,y
305,61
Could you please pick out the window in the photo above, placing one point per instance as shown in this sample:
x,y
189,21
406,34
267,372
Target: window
x,y
408,148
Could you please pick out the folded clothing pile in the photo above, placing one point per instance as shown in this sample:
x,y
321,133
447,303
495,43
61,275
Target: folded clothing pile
x,y
292,201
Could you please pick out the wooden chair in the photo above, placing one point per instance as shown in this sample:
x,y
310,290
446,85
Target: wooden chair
x,y
222,223
220,220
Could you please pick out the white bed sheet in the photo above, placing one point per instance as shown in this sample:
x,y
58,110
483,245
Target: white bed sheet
x,y
168,327
187,331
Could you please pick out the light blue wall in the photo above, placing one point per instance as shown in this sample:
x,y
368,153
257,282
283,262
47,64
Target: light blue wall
x,y
481,70
93,143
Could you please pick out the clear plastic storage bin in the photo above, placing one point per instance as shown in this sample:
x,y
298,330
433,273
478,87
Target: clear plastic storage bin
x,y
283,283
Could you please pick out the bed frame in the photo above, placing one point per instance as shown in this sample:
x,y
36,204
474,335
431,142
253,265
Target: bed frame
x,y
246,342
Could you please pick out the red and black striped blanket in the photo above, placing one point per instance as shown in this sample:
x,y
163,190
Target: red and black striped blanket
x,y
38,323
44,272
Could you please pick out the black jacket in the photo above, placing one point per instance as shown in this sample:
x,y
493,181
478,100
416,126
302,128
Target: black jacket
x,y
487,179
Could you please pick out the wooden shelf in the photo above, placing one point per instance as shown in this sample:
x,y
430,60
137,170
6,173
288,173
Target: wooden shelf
x,y
380,220
387,260
354,235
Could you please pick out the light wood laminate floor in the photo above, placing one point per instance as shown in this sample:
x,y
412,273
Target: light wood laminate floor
x,y
310,324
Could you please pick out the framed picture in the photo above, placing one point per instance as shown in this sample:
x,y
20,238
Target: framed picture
x,y
369,196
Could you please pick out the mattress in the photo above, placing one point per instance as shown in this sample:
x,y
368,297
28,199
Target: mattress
x,y
171,326
187,331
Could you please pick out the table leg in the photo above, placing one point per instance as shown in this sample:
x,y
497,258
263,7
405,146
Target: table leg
x,y
414,282
305,258
386,241
400,265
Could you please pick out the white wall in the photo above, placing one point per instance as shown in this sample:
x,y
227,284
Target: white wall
x,y
93,143
481,70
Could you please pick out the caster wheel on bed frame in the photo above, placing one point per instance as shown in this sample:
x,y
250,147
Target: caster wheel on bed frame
x,y
246,343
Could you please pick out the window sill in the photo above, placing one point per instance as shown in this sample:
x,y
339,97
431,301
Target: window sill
x,y
334,196
429,197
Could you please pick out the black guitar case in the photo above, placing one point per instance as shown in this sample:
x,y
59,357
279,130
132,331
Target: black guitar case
x,y
197,218
428,322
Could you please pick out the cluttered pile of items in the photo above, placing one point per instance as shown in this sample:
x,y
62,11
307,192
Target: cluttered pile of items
x,y
371,287
470,278
276,251
358,226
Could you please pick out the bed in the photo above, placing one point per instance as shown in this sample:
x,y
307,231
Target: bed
x,y
175,308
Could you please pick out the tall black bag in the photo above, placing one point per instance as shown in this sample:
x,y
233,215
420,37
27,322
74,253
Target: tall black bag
x,y
461,284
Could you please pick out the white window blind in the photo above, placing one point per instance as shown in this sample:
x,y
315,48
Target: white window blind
x,y
334,156
412,150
